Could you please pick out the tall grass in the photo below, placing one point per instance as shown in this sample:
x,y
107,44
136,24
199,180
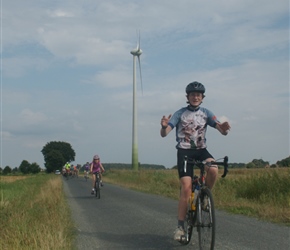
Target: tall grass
x,y
262,193
158,182
34,214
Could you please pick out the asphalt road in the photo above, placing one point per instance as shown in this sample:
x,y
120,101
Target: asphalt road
x,y
126,219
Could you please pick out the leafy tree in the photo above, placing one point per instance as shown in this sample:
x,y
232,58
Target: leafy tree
x,y
250,165
284,163
24,167
34,168
260,163
6,170
56,154
54,161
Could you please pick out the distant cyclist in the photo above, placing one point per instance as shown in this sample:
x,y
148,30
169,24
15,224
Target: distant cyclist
x,y
86,169
67,168
76,171
96,166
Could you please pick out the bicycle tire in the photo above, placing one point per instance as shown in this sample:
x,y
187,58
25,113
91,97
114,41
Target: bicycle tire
x,y
98,192
206,223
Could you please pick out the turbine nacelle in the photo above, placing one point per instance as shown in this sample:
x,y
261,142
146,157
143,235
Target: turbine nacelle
x,y
136,52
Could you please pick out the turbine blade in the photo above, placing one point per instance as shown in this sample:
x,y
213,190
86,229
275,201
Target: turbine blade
x,y
139,62
139,44
138,39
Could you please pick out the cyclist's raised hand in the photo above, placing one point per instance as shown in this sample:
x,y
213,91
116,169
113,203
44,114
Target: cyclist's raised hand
x,y
165,120
165,129
223,127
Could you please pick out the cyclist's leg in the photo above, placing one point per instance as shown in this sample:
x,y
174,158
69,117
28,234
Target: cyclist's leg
x,y
93,183
185,191
212,172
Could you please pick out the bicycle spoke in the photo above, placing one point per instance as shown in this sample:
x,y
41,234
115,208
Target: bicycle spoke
x,y
206,223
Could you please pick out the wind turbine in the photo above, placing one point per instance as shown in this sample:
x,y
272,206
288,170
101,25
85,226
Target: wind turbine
x,y
136,54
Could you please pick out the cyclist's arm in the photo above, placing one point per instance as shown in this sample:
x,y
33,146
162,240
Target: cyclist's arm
x,y
165,131
102,167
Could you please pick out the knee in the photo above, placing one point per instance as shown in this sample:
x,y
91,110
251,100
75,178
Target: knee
x,y
185,192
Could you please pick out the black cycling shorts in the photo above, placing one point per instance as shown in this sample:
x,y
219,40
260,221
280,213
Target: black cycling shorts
x,y
197,154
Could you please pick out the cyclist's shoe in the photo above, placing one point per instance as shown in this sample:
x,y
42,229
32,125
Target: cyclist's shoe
x,y
93,192
178,234
205,204
102,184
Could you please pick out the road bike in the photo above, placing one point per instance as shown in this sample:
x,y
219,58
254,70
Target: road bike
x,y
98,185
201,213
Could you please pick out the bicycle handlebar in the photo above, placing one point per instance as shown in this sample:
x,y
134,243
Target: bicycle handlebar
x,y
224,163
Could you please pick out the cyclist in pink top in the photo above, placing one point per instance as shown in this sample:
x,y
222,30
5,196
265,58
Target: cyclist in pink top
x,y
96,166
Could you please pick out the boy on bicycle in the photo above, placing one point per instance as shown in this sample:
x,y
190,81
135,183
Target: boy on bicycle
x,y
191,123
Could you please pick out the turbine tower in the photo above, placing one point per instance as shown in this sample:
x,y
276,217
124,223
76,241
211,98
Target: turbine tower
x,y
136,54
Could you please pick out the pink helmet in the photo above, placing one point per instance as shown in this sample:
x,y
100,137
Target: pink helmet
x,y
96,157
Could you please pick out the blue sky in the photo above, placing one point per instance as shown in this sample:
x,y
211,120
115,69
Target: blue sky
x,y
66,75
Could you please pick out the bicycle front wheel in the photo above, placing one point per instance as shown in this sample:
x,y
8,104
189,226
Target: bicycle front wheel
x,y
206,220
98,193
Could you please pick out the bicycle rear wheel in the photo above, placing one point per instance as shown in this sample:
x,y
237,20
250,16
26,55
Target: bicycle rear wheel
x,y
206,220
98,193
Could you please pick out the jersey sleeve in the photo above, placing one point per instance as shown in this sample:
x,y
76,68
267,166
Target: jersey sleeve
x,y
211,119
175,118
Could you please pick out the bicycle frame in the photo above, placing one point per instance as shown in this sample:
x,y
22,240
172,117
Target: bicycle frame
x,y
195,218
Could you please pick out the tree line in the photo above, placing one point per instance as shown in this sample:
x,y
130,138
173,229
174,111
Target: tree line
x,y
24,168
259,163
57,153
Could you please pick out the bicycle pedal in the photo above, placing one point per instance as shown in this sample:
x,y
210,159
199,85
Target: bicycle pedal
x,y
182,239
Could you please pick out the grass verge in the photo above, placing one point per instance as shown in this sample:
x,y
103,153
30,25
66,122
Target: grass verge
x,y
34,214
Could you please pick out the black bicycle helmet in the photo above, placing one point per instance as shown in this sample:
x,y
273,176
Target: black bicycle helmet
x,y
195,87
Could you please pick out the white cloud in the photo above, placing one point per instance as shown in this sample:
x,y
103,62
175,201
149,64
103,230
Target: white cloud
x,y
60,13
29,117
